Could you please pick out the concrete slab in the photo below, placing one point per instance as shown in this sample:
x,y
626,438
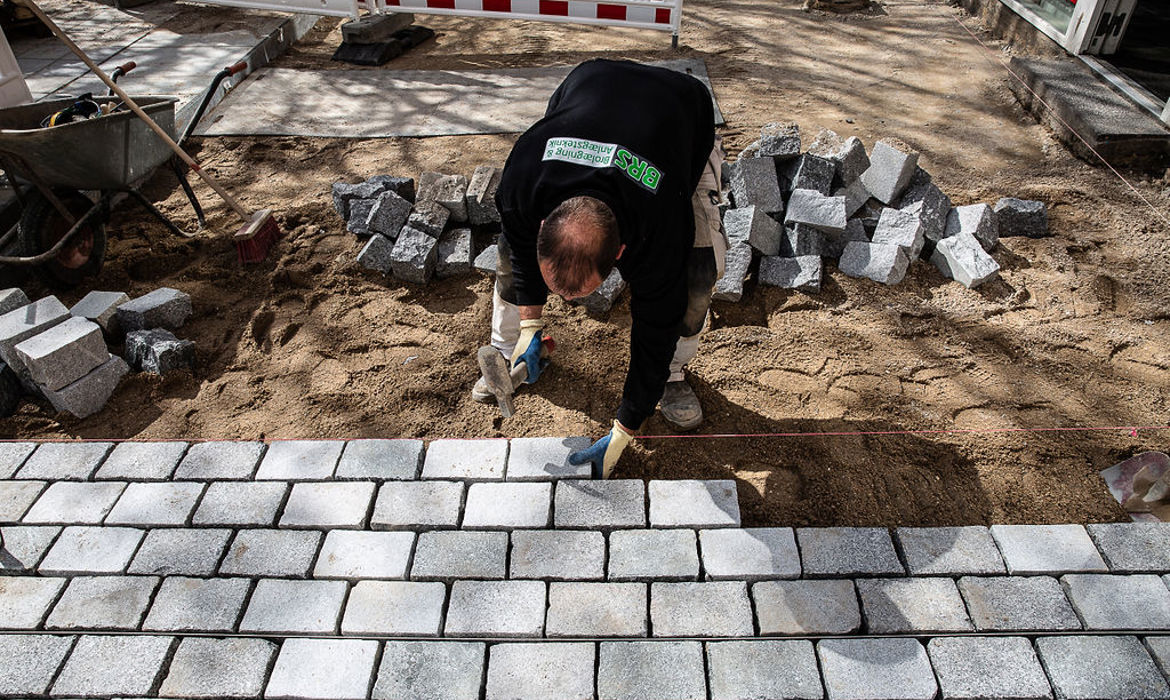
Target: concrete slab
x,y
1083,104
377,104
173,63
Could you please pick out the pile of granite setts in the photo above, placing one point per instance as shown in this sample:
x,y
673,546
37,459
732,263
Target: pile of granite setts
x,y
63,355
874,213
416,235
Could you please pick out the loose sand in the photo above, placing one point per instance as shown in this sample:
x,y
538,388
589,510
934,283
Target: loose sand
x,y
1075,334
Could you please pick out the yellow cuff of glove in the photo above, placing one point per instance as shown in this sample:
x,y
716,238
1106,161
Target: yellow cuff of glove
x,y
529,329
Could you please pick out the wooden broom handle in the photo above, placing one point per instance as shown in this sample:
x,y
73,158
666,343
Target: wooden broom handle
x,y
162,134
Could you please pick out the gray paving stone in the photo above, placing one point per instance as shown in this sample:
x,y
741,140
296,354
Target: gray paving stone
x,y
541,671
197,605
1159,648
560,555
508,505
30,663
496,609
25,322
749,554
710,609
962,259
220,460
950,551
481,195
600,505
694,503
71,502
300,460
235,503
162,308
24,546
105,666
16,497
454,254
640,670
974,668
148,504
763,669
88,395
1017,603
353,554
848,551
430,671
1084,668
752,226
471,460
103,603
12,299
65,460
102,309
381,459
328,504
271,553
218,668
1133,548
545,459
584,609
335,669
662,555
452,554
1047,549
865,669
1111,602
142,461
92,550
12,457
806,607
816,210
290,607
896,606
24,600
884,264
889,171
754,183
417,504
399,608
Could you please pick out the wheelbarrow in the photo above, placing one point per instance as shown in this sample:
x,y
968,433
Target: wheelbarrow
x,y
61,231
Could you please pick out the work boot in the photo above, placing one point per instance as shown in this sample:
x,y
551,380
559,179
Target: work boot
x,y
481,393
679,405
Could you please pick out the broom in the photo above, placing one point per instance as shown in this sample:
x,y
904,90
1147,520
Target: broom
x,y
260,229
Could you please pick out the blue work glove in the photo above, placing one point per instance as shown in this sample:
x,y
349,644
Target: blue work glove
x,y
604,453
528,349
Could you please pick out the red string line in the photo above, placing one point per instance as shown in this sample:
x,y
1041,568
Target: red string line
x,y
1132,430
1162,215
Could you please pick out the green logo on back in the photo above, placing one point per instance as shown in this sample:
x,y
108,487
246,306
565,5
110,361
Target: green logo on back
x,y
603,155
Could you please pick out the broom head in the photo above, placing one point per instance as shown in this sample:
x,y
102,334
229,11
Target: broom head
x,y
256,237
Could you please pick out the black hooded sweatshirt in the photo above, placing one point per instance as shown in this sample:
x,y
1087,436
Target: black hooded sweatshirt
x,y
637,138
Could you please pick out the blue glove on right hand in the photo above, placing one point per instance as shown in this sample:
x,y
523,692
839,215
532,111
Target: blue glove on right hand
x,y
528,349
603,455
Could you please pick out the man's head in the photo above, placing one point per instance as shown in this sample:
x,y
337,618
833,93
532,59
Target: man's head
x,y
577,246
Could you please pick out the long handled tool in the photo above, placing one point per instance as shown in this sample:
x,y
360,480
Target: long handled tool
x,y
260,229
501,380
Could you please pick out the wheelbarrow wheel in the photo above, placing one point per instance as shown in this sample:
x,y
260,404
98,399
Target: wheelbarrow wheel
x,y
42,226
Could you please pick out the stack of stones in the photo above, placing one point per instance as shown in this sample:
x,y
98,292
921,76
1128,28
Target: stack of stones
x,y
416,236
874,213
63,354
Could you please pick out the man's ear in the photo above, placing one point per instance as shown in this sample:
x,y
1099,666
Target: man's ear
x,y
621,249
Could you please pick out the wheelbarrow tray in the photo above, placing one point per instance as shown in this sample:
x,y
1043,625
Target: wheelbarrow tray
x,y
107,153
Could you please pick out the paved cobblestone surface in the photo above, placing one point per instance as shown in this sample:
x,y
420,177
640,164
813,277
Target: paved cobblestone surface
x,y
341,569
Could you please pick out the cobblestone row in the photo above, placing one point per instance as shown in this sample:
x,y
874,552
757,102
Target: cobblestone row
x,y
493,569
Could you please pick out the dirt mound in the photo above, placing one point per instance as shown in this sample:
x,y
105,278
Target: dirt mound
x,y
1075,334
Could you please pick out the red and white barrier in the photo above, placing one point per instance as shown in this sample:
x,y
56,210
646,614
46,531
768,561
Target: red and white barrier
x,y
662,15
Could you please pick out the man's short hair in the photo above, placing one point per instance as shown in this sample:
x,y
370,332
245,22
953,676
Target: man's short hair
x,y
578,238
